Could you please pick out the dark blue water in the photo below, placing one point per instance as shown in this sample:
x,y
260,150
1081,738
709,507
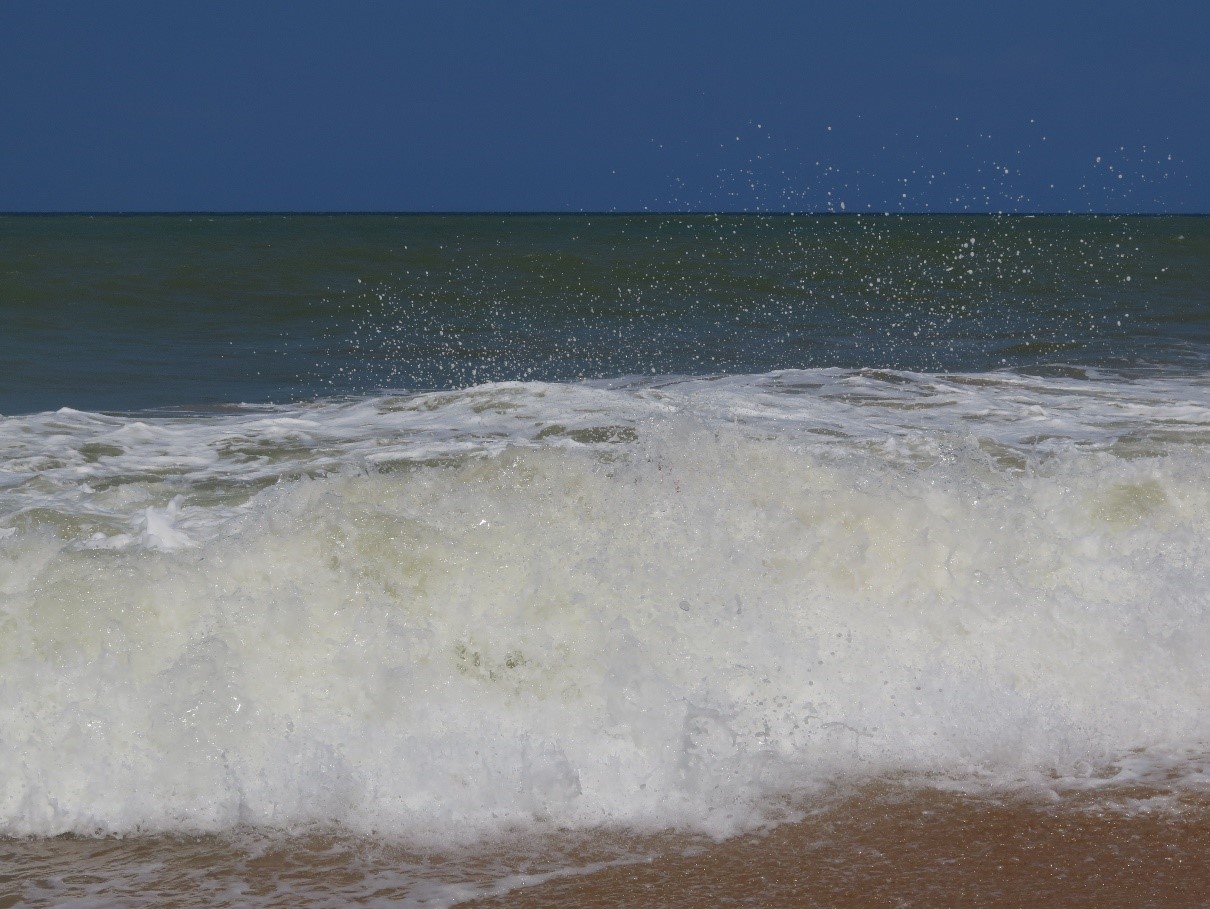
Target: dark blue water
x,y
110,312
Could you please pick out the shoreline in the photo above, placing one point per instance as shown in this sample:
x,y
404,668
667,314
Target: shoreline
x,y
880,845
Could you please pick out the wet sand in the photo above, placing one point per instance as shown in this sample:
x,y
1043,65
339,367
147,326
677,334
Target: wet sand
x,y
931,849
881,846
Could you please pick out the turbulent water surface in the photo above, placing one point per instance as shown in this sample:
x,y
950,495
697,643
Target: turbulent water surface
x,y
343,543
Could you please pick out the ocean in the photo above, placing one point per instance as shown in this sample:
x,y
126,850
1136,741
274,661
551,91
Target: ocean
x,y
540,560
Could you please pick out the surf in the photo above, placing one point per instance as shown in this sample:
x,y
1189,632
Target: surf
x,y
648,603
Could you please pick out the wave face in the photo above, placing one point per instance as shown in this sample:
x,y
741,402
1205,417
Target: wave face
x,y
647,603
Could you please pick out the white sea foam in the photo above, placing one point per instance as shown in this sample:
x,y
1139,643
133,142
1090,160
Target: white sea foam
x,y
648,603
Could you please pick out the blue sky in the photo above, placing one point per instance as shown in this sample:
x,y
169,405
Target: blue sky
x,y
566,106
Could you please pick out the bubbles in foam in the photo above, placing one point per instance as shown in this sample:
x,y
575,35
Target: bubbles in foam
x,y
647,603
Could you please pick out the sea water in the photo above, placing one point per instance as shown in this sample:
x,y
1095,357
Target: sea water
x,y
425,534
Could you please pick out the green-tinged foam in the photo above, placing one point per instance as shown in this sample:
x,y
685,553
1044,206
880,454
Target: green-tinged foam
x,y
671,629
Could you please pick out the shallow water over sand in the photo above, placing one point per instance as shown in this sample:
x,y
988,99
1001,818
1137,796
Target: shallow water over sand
x,y
881,845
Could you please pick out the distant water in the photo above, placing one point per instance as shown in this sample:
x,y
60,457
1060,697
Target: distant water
x,y
122,313
424,531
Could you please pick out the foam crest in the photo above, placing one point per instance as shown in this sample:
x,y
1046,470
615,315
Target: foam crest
x,y
112,479
650,604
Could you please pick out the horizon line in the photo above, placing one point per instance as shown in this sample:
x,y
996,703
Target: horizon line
x,y
585,213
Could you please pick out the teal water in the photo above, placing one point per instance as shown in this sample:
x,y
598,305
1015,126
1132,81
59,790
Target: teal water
x,y
131,312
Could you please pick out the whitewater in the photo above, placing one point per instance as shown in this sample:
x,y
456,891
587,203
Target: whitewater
x,y
643,603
